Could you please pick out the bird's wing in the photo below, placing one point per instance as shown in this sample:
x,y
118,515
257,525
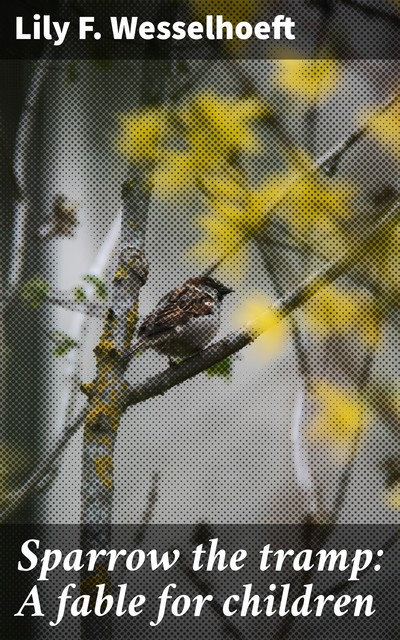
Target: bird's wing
x,y
176,308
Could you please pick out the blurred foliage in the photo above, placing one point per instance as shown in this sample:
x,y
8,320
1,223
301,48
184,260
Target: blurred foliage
x,y
79,294
336,310
341,418
64,343
98,284
384,126
35,292
222,369
310,80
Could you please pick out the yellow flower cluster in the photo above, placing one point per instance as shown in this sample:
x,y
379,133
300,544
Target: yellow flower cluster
x,y
195,145
264,323
190,140
236,212
392,496
335,310
341,416
316,199
311,80
384,126
140,134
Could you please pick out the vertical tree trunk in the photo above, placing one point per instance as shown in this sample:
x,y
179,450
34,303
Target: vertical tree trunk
x,y
23,355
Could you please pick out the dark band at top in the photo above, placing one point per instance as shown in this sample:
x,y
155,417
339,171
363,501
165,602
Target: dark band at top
x,y
340,29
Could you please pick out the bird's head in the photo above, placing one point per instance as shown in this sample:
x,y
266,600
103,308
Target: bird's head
x,y
217,287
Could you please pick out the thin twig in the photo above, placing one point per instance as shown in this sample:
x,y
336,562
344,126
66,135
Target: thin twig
x,y
149,509
16,498
300,459
341,494
347,472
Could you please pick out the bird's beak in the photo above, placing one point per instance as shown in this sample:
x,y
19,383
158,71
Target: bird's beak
x,y
223,290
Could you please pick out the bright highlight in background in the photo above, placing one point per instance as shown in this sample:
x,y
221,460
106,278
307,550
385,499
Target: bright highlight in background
x,y
257,315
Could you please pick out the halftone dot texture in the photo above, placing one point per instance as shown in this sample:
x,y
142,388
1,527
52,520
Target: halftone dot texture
x,y
227,151
250,199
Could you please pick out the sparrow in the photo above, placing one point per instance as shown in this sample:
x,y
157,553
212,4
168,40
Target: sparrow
x,y
184,321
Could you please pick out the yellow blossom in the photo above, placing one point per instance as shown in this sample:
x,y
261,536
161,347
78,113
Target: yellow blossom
x,y
140,134
265,324
224,187
311,80
317,198
218,125
341,416
392,496
335,310
384,126
196,140
174,173
232,220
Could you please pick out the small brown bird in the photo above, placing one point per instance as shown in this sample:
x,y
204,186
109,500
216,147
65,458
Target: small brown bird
x,y
185,320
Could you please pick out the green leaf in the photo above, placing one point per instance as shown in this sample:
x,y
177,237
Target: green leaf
x,y
222,369
35,292
100,287
64,343
79,294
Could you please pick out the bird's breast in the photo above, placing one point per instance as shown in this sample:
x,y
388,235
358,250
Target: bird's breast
x,y
191,337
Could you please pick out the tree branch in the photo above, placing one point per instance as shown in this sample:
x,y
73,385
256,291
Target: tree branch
x,y
30,486
149,508
65,300
107,392
162,382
